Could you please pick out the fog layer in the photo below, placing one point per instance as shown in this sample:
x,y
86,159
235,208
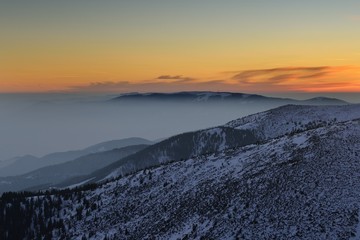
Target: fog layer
x,y
39,124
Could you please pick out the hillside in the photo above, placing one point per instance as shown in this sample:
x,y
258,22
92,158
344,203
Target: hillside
x,y
255,128
302,185
47,177
176,148
28,163
293,118
301,180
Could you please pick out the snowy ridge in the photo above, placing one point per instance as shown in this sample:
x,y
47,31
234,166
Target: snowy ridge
x,y
294,118
259,127
304,186
178,148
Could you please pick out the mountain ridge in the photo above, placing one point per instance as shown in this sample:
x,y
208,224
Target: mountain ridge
x,y
208,96
28,163
255,128
48,176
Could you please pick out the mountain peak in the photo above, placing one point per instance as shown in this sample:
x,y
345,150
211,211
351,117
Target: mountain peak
x,y
327,100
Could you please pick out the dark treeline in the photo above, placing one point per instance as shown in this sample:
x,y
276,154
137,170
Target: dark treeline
x,y
39,215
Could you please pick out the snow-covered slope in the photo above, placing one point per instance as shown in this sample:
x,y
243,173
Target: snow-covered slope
x,y
303,186
294,118
258,127
176,148
306,186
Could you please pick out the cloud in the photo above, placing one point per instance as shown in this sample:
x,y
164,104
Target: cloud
x,y
316,75
150,86
286,75
103,86
276,75
318,78
280,78
327,87
176,77
284,79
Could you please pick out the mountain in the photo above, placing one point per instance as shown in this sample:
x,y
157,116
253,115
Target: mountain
x,y
26,162
46,177
302,182
176,148
293,118
22,165
212,97
324,101
255,128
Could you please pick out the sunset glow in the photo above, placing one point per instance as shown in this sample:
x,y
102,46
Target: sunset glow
x,y
121,46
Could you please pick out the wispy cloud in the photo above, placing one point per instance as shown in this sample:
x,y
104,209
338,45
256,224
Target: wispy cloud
x,y
316,75
151,86
284,79
280,75
175,77
65,77
305,79
287,76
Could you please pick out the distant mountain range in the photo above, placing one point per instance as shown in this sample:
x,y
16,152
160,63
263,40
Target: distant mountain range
x,y
55,168
46,177
223,96
24,164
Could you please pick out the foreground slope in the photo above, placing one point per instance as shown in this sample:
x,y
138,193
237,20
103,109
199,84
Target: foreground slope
x,y
302,185
255,128
294,118
305,186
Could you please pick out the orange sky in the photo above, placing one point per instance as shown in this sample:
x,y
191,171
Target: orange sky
x,y
220,46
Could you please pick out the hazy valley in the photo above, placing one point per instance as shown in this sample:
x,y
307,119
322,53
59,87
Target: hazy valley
x,y
288,172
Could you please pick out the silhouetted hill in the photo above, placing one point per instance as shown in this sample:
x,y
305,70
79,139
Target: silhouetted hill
x,y
221,97
46,177
21,165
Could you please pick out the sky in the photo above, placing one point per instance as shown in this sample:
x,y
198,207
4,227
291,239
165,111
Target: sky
x,y
257,46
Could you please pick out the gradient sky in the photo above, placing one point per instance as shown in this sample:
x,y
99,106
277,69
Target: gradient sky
x,y
257,46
